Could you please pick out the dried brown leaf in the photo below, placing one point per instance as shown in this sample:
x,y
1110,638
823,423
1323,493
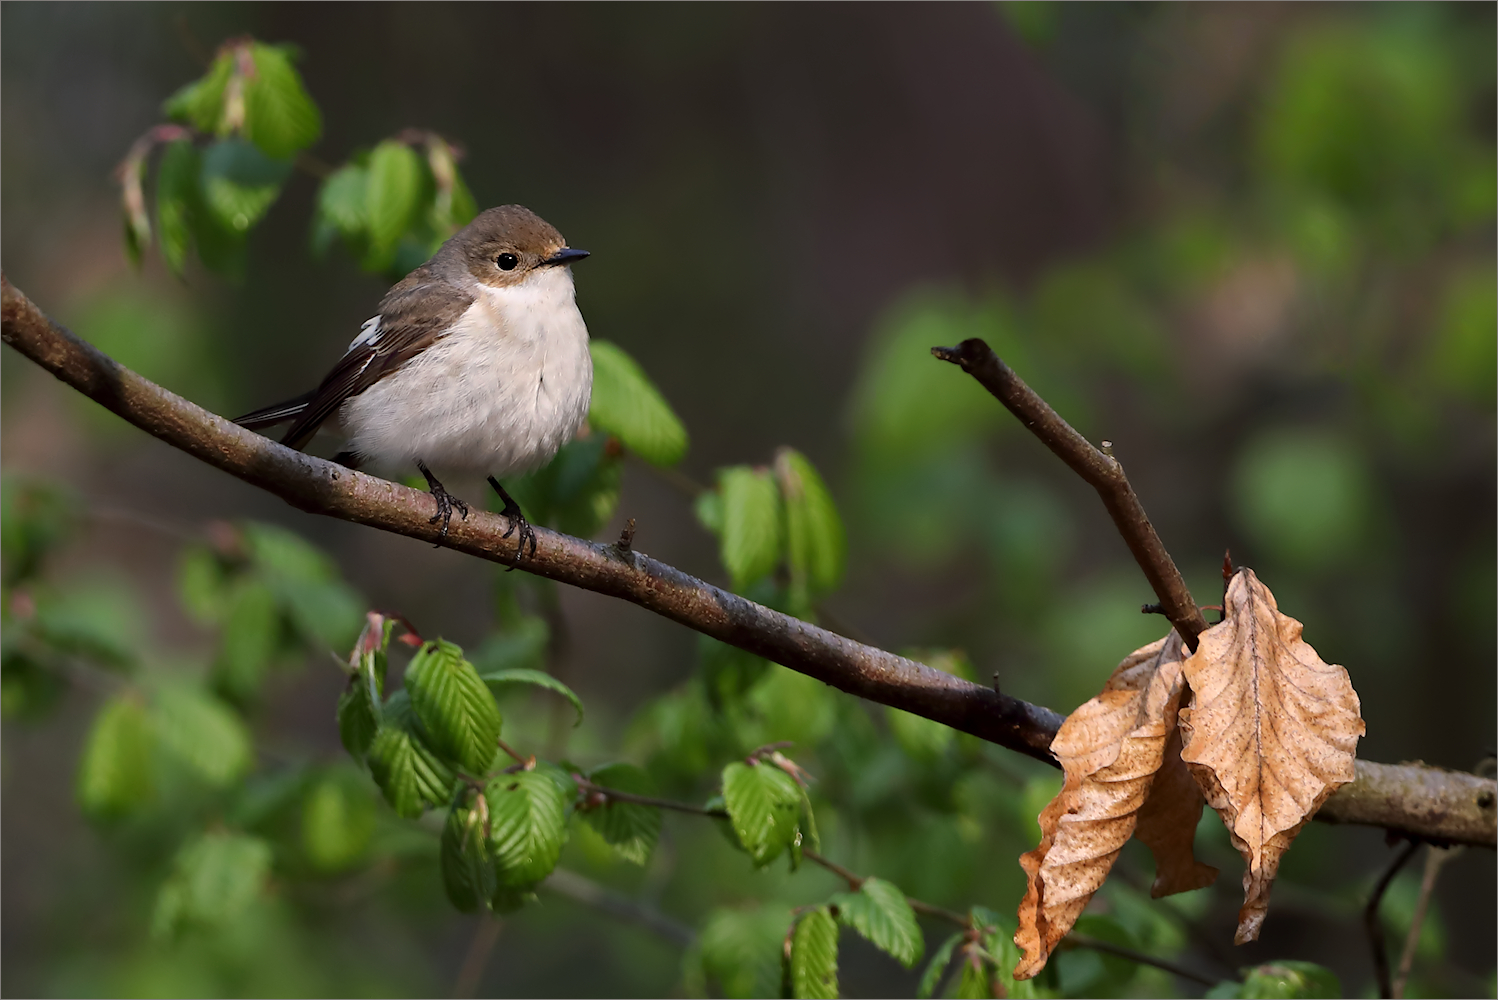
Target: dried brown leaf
x,y
1271,732
1167,824
1110,750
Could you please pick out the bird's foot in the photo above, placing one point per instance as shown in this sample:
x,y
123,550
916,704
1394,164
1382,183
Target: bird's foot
x,y
517,522
445,503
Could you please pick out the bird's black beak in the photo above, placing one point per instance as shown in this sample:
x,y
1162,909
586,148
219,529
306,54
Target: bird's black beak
x,y
566,255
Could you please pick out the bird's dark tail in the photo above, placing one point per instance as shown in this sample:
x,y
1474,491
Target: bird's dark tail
x,y
278,414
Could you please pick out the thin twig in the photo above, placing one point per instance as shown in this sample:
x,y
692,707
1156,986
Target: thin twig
x,y
1435,859
514,754
856,881
1375,927
1098,468
589,788
1075,940
471,972
615,904
1418,801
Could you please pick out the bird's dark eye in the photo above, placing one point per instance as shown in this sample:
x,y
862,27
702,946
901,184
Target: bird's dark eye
x,y
506,261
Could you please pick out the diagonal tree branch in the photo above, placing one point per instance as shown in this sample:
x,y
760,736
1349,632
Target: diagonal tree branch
x,y
1445,807
1098,468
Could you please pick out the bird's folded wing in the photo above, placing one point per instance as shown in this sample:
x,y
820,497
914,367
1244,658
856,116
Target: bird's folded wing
x,y
412,316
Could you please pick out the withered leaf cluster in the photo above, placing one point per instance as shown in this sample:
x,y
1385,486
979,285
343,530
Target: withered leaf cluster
x,y
1253,723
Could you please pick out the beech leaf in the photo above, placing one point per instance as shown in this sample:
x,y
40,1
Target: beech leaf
x,y
1110,750
1270,734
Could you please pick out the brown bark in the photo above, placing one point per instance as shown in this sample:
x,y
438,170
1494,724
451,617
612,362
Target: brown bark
x,y
1411,799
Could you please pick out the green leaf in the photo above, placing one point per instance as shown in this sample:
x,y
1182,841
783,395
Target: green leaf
x,y
201,103
250,640
627,405
923,739
630,828
468,872
813,971
976,981
392,195
280,117
358,706
527,826
202,585
409,773
998,945
751,524
341,207
99,619
879,912
816,545
931,978
764,804
115,774
521,645
35,517
741,951
239,184
454,706
324,610
204,733
1290,979
214,879
538,678
176,198
337,822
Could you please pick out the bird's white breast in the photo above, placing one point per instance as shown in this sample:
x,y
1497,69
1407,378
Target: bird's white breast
x,y
498,394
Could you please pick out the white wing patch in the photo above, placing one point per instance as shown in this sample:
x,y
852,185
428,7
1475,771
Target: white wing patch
x,y
369,333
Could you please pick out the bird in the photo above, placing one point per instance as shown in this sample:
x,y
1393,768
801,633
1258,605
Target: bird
x,y
476,362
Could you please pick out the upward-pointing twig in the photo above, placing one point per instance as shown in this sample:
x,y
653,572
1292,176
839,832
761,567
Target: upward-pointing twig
x,y
1100,470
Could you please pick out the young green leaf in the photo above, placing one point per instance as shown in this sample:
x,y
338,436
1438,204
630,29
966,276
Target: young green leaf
x,y
816,545
527,826
358,713
250,639
392,194
409,773
627,405
879,912
337,822
1290,979
115,774
923,739
630,828
176,198
279,117
214,878
998,943
522,675
931,978
239,184
740,951
763,804
813,961
204,733
468,872
751,524
977,979
201,103
341,207
454,706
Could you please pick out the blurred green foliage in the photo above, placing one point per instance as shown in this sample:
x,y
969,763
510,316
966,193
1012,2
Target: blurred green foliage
x,y
1365,187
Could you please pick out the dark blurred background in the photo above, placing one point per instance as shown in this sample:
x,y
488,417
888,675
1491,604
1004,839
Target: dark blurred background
x,y
1251,244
